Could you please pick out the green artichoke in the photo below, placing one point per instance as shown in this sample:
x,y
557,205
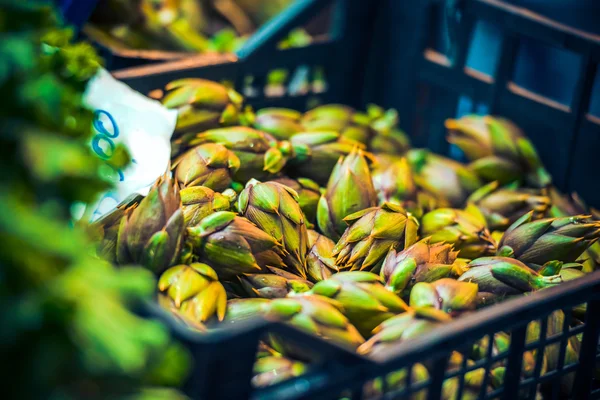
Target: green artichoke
x,y
421,262
318,315
448,181
450,296
260,155
308,192
503,206
349,190
320,263
233,245
240,310
209,164
202,105
498,150
339,118
322,152
501,276
274,208
199,202
365,301
152,234
538,242
466,230
372,233
276,284
406,326
195,291
282,123
274,369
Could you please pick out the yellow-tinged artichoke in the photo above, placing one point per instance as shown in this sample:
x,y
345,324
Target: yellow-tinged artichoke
x,y
275,284
421,262
233,245
199,202
365,301
465,230
349,190
274,208
202,105
320,263
498,150
371,233
209,164
195,291
152,234
449,295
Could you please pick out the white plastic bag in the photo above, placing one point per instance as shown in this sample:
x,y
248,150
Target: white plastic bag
x,y
143,125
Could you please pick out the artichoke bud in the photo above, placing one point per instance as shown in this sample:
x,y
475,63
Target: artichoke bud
x,y
198,202
446,294
277,284
274,208
349,190
195,290
153,232
320,262
282,123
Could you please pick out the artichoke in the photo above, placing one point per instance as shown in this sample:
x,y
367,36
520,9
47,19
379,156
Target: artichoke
x,y
538,242
240,310
233,245
199,202
503,206
274,208
465,229
308,192
339,118
106,228
349,190
406,326
372,233
365,301
320,263
260,155
501,276
450,296
318,315
152,234
274,369
277,284
498,150
282,123
202,105
195,291
421,262
209,164
322,152
446,180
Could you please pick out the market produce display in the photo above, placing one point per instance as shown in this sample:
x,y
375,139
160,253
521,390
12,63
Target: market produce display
x,y
301,218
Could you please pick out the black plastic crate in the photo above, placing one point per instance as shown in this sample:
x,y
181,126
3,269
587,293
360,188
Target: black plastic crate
x,y
385,52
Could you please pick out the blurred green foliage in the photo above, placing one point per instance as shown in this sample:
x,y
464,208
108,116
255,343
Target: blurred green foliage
x,y
66,326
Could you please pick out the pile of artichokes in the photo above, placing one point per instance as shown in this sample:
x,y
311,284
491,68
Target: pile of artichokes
x,y
330,222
